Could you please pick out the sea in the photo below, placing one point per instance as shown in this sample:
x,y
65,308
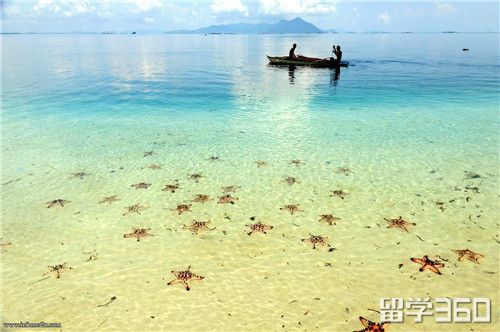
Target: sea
x,y
105,135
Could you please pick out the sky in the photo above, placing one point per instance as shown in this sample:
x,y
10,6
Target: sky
x,y
166,15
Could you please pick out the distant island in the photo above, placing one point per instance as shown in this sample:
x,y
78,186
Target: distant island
x,y
297,25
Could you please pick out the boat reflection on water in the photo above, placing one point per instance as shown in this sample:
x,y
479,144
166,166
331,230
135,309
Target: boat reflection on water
x,y
291,73
334,76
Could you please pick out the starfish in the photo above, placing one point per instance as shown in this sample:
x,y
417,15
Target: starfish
x,y
137,208
372,326
5,244
227,199
343,170
399,223
201,198
428,264
109,199
339,193
329,218
141,185
171,187
262,163
471,175
184,276
213,158
138,233
317,240
148,153
230,189
56,202
181,208
292,208
468,254
296,162
290,180
154,166
198,226
258,227
78,175
196,177
57,269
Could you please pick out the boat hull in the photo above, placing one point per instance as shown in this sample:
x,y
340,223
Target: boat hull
x,y
305,61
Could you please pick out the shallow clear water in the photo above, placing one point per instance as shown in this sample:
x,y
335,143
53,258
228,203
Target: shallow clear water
x,y
410,116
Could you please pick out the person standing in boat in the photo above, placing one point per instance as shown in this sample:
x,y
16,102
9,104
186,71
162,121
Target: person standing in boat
x,y
291,54
338,54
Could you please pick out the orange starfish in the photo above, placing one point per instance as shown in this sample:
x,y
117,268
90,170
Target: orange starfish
x,y
259,227
399,223
372,326
184,276
427,263
469,254
138,233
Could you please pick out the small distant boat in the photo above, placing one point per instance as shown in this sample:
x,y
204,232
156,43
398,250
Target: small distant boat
x,y
305,61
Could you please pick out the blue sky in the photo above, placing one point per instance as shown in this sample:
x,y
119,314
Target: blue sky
x,y
164,15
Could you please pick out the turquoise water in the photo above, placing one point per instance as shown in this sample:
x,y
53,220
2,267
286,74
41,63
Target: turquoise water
x,y
409,118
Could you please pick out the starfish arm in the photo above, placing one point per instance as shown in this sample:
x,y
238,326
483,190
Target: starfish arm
x,y
434,269
417,260
186,285
364,321
438,265
173,282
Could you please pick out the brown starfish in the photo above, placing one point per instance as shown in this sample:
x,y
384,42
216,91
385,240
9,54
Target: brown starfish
x,y
213,158
57,269
138,233
141,185
148,153
317,240
56,202
428,264
109,199
201,198
339,193
343,170
184,276
227,199
154,166
296,162
5,244
230,189
290,180
372,326
80,175
329,218
137,208
262,163
196,177
399,223
198,226
259,227
468,254
292,208
171,187
181,208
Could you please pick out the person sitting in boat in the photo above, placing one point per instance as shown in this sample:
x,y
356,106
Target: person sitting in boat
x,y
291,54
338,54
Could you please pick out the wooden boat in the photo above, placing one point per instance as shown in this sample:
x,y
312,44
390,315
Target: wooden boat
x,y
305,61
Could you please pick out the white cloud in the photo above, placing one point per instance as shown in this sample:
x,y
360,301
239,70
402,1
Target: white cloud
x,y
445,8
384,18
145,5
312,7
149,20
229,6
68,8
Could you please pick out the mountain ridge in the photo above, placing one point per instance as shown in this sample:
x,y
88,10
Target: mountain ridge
x,y
296,25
